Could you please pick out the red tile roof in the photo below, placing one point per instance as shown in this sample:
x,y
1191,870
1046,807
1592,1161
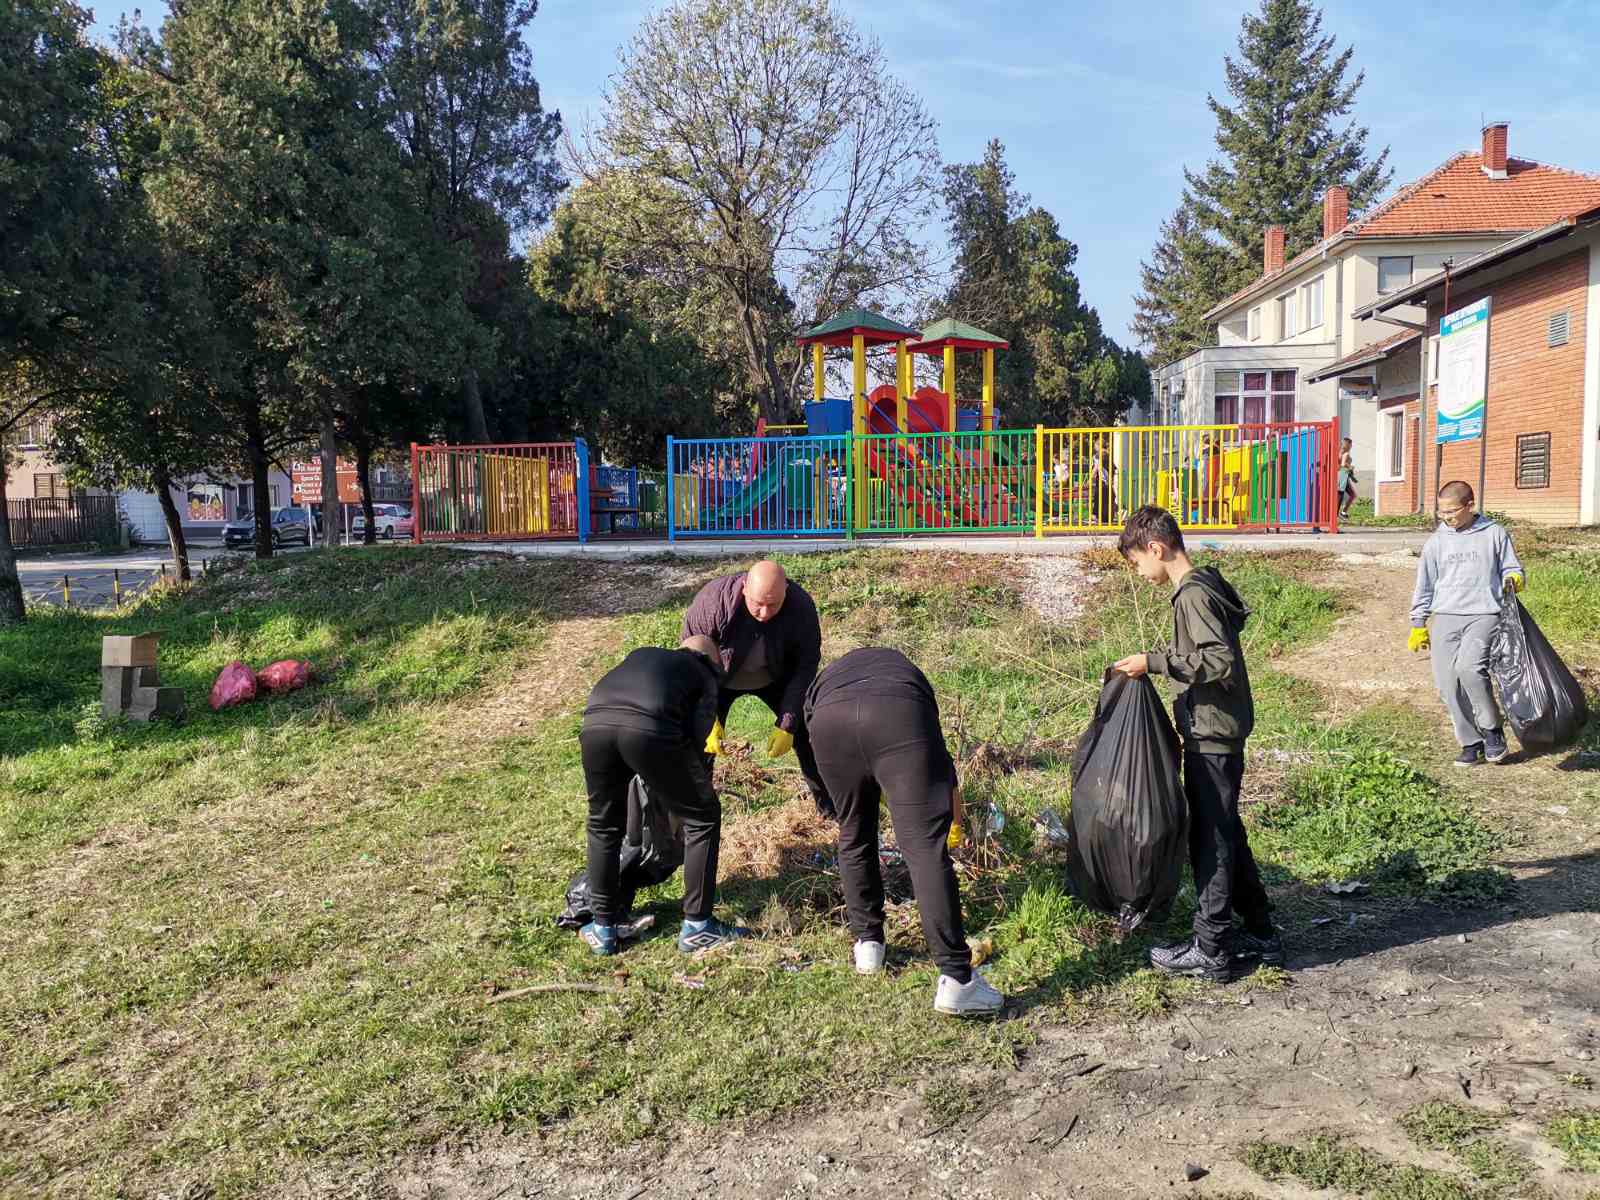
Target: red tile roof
x,y
1372,353
1457,197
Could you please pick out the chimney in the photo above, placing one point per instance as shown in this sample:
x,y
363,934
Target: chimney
x,y
1494,150
1272,256
1335,211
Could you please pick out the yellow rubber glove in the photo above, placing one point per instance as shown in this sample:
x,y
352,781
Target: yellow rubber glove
x,y
1514,582
714,741
957,836
780,743
1418,640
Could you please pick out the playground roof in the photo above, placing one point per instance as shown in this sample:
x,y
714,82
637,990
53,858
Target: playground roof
x,y
950,332
839,329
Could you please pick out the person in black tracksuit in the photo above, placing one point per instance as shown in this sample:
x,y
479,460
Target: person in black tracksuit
x,y
874,725
650,716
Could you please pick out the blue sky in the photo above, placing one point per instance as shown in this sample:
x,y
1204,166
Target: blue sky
x,y
1101,105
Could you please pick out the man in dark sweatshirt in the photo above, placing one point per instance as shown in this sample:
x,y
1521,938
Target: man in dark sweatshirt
x,y
771,642
1214,712
650,716
879,738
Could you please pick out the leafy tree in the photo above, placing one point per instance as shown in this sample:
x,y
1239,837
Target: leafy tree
x,y
1186,274
278,175
1284,141
1014,277
462,101
764,146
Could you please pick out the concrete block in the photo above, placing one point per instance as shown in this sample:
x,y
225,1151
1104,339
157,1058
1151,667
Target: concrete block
x,y
152,702
116,689
138,650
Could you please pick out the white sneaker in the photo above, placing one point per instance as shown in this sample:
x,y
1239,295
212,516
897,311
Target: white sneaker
x,y
869,957
975,998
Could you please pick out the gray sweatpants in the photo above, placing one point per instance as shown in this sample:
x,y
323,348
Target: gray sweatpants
x,y
1460,652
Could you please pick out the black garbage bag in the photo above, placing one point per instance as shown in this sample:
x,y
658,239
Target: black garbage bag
x,y
1129,820
1543,702
652,849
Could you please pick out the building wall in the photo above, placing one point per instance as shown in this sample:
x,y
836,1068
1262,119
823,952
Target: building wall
x,y
1360,282
143,509
1533,388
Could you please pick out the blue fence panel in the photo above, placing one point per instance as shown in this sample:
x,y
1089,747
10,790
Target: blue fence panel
x,y
746,487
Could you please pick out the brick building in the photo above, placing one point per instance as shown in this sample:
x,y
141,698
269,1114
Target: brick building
x,y
1539,453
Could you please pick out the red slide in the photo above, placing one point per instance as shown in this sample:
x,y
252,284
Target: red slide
x,y
928,412
931,517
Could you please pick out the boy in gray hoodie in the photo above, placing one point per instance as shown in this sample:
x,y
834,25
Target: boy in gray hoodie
x,y
1467,567
1214,712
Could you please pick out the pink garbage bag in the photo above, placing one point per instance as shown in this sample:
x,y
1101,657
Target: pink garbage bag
x,y
285,675
235,685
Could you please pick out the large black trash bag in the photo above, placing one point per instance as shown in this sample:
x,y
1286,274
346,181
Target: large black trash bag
x,y
1542,700
1130,822
652,849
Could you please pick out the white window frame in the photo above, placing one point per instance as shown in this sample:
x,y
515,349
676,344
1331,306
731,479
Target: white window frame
x,y
1287,316
1253,324
1314,288
1411,272
1388,427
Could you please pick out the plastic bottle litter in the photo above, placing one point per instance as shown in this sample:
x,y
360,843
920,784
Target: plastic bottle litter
x,y
995,822
1056,833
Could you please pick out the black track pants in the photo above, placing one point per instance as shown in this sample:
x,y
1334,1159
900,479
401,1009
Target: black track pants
x,y
880,744
1225,875
676,775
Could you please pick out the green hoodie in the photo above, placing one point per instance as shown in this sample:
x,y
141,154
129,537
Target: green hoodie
x,y
1213,708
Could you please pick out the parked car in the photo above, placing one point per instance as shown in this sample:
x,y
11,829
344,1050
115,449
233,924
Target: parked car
x,y
289,526
389,520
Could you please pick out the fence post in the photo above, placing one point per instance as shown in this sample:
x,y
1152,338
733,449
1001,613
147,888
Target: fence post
x,y
850,482
582,488
1039,477
672,496
1335,453
116,587
66,591
416,499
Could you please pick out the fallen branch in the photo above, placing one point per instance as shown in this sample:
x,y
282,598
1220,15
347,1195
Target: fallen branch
x,y
543,988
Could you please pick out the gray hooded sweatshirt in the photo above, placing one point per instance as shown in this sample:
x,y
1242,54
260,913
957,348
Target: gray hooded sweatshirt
x,y
1463,572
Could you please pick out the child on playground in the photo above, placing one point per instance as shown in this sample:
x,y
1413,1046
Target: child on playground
x,y
1467,567
1215,713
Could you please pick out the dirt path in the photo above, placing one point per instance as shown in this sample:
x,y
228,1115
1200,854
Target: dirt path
x,y
1492,1007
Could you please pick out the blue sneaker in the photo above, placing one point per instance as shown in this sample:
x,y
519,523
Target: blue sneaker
x,y
602,939
708,934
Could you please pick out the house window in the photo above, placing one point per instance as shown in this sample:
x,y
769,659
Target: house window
x,y
50,486
1393,274
1313,291
1283,391
277,494
1395,430
1286,315
1433,360
1225,388
34,432
1255,324
1533,460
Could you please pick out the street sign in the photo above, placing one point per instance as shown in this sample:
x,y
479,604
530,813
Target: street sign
x,y
305,476
1463,372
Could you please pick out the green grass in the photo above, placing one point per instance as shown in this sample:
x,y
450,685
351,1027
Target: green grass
x,y
1330,1161
264,938
1577,1135
1362,516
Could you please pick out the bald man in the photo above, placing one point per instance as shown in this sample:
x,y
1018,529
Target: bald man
x,y
771,642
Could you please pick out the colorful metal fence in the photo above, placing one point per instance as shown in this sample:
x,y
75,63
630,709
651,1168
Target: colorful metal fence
x,y
1211,477
494,493
942,482
740,487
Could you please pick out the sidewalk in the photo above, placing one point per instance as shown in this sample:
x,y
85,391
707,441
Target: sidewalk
x,y
1356,541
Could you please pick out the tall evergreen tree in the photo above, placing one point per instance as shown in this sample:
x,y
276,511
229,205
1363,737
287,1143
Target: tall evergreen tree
x,y
1014,278
1185,274
1284,140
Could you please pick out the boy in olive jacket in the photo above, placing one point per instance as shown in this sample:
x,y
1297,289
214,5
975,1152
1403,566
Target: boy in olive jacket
x,y
1214,712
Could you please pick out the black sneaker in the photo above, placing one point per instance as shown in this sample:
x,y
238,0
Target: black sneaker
x,y
1494,745
1470,756
1187,958
1265,948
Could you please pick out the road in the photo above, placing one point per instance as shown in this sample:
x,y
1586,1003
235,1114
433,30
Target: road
x,y
90,580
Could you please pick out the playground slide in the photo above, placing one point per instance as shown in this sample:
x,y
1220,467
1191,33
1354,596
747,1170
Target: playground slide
x,y
928,514
752,496
926,413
